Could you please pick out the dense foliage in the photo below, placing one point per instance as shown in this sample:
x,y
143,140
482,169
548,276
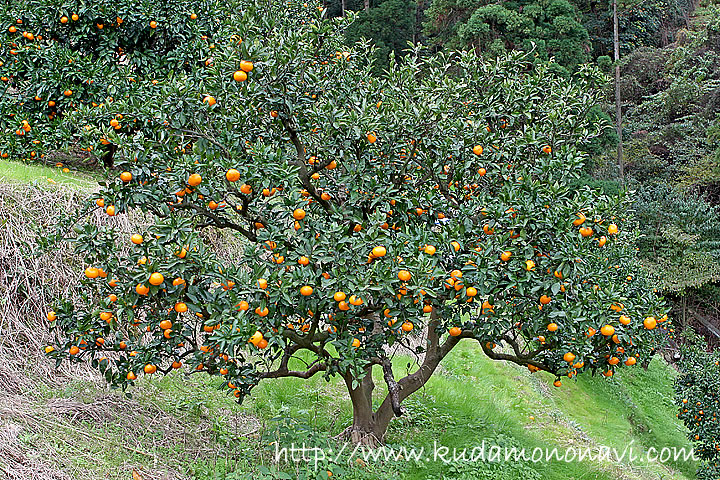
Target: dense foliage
x,y
698,399
57,57
435,203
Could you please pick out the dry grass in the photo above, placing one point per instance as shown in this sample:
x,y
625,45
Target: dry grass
x,y
37,433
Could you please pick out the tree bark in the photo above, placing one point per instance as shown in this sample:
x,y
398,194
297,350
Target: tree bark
x,y
367,5
618,105
342,7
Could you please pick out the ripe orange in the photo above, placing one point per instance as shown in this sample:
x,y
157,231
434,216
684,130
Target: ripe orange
x,y
153,24
607,330
427,308
552,327
142,289
232,175
602,241
105,316
51,316
579,220
63,19
110,210
68,92
305,291
255,338
544,299
240,76
262,283
263,312
156,279
303,260
471,291
379,251
339,296
246,66
246,189
344,306
547,149
430,250
355,300
624,319
404,275
630,361
529,265
478,149
505,256
612,229
194,180
355,343
557,383
371,137
299,214
126,177
407,326
130,376
150,369
137,239
165,324
181,307
262,344
569,357
92,272
650,323
455,331
210,100
586,231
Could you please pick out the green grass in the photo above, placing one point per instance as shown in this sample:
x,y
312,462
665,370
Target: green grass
x,y
470,400
18,172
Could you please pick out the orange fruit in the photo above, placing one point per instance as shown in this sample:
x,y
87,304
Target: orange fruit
x,y
137,239
153,24
246,189
407,326
650,323
379,251
232,175
355,343
586,231
404,275
607,330
156,279
110,210
430,250
579,220
371,137
630,361
240,76
92,272
130,376
181,307
210,100
569,357
471,291
544,299
299,214
262,283
557,383
455,331
51,316
612,229
624,319
263,312
246,66
194,180
339,296
505,256
478,149
552,327
150,369
305,291
256,338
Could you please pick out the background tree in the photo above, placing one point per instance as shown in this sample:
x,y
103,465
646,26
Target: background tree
x,y
427,206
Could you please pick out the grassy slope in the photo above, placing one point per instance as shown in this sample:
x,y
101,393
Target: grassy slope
x,y
15,172
186,426
472,399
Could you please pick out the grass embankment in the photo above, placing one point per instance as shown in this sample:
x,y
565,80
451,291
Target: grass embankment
x,y
67,424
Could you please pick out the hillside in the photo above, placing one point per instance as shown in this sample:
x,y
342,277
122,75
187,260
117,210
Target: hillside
x,y
68,424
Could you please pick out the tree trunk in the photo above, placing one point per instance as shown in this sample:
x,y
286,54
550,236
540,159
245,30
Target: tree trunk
x,y
618,106
367,5
342,7
369,427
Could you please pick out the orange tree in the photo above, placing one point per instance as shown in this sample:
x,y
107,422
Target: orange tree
x,y
58,56
436,203
698,399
